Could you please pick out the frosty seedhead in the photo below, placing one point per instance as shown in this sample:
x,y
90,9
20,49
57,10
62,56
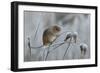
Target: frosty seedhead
x,y
83,48
69,35
75,36
28,41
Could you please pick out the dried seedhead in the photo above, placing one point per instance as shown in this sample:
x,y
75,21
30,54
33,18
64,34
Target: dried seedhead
x,y
75,36
69,36
83,48
72,35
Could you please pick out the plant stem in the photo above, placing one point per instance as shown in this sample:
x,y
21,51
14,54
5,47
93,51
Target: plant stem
x,y
38,26
56,46
43,58
52,42
36,31
47,55
29,45
67,48
49,45
52,50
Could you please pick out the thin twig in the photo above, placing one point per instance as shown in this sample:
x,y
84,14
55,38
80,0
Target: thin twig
x,y
37,29
38,26
42,46
52,42
29,45
47,55
49,46
57,46
52,50
37,47
43,57
67,48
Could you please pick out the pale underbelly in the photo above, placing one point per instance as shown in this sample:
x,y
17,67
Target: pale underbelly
x,y
53,38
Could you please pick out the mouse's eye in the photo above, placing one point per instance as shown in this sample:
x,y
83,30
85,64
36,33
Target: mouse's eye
x,y
57,28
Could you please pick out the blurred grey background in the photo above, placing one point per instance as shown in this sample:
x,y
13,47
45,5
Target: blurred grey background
x,y
73,22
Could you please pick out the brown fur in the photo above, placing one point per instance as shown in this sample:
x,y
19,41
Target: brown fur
x,y
50,35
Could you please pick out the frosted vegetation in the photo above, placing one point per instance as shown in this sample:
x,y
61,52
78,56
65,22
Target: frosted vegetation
x,y
74,27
